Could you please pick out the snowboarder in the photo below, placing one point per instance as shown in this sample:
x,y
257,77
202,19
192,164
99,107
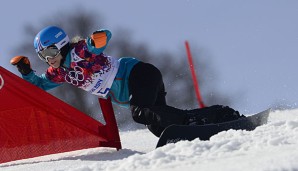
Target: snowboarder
x,y
128,82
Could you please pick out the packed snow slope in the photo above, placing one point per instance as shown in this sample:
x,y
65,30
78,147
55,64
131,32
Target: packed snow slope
x,y
270,147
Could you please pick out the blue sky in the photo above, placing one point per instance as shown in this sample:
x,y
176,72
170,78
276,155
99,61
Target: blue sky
x,y
253,44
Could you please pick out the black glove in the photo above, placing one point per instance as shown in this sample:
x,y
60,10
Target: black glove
x,y
22,63
144,115
158,115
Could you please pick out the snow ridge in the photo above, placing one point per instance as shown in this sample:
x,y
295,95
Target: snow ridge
x,y
269,147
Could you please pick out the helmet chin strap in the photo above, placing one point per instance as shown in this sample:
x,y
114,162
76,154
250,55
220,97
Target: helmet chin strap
x,y
64,51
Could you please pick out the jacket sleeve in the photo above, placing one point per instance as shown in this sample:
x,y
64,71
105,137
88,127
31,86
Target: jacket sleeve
x,y
98,41
40,81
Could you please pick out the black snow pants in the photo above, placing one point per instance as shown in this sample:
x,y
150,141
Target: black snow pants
x,y
148,103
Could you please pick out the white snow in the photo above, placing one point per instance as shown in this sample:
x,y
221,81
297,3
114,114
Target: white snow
x,y
270,147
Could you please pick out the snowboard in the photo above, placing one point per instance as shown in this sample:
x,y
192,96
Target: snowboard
x,y
175,133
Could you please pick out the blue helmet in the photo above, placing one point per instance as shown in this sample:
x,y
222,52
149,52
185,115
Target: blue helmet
x,y
50,36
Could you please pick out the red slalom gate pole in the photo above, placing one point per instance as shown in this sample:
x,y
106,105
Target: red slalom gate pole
x,y
193,74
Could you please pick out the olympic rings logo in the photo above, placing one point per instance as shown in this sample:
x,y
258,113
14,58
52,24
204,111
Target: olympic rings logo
x,y
1,82
76,76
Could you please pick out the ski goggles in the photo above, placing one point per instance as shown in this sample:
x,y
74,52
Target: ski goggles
x,y
49,52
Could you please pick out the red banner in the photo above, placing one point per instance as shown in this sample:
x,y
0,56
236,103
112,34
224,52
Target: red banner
x,y
35,123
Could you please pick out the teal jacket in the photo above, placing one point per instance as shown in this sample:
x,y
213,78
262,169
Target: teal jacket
x,y
119,91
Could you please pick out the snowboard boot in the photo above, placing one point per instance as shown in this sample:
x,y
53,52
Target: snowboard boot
x,y
211,115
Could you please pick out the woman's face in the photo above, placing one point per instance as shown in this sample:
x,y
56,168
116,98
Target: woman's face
x,y
55,61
